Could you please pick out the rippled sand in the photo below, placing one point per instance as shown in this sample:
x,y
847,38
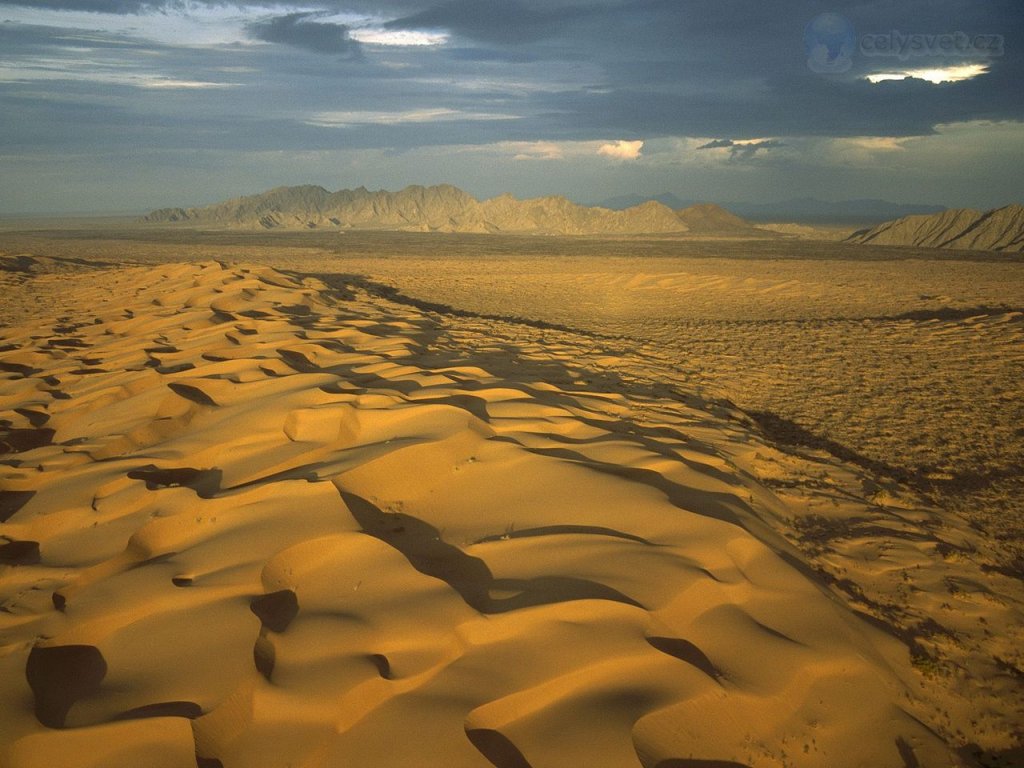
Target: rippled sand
x,y
256,517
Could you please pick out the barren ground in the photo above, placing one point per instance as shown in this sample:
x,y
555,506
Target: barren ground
x,y
907,361
452,500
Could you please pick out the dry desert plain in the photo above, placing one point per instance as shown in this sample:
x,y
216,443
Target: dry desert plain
x,y
383,499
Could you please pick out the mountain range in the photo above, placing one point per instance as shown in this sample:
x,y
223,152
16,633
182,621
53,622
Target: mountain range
x,y
1000,229
805,210
445,208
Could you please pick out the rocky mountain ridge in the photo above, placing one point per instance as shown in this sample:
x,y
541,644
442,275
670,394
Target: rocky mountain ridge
x,y
1000,229
445,208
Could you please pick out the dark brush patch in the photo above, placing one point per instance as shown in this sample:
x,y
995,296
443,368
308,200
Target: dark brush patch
x,y
67,343
380,661
12,501
61,675
187,709
686,651
556,530
18,368
35,418
264,657
21,440
205,482
423,547
497,748
277,609
176,368
19,553
189,392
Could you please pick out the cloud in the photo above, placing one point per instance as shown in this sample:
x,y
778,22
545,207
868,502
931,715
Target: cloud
x,y
542,80
718,144
51,58
126,7
536,150
300,30
746,150
397,37
873,143
430,115
936,75
742,150
93,6
574,152
621,150
90,72
496,21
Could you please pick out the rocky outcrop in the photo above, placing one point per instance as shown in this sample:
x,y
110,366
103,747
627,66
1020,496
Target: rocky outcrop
x,y
441,208
1001,229
708,218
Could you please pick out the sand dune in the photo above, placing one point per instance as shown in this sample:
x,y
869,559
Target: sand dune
x,y
253,519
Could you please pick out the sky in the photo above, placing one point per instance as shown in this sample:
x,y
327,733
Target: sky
x,y
128,105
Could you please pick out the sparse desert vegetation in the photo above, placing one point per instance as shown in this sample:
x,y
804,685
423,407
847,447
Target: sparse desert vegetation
x,y
639,464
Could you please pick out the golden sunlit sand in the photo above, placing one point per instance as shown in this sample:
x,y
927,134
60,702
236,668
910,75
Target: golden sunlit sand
x,y
268,517
511,384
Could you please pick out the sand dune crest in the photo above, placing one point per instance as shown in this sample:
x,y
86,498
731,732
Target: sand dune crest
x,y
273,527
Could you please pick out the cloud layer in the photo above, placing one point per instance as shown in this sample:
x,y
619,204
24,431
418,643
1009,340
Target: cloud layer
x,y
621,150
725,84
303,30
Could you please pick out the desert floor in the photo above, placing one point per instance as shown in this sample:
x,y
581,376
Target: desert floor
x,y
382,499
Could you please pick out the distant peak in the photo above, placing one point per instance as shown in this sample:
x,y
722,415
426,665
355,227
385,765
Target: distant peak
x,y
704,207
446,208
711,217
998,229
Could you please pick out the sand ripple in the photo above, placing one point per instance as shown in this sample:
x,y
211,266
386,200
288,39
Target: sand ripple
x,y
249,523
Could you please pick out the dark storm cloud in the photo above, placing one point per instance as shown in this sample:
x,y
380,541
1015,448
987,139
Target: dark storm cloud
x,y
148,6
718,144
490,54
91,6
649,67
496,21
119,6
740,151
302,30
593,70
152,123
709,67
24,38
805,107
